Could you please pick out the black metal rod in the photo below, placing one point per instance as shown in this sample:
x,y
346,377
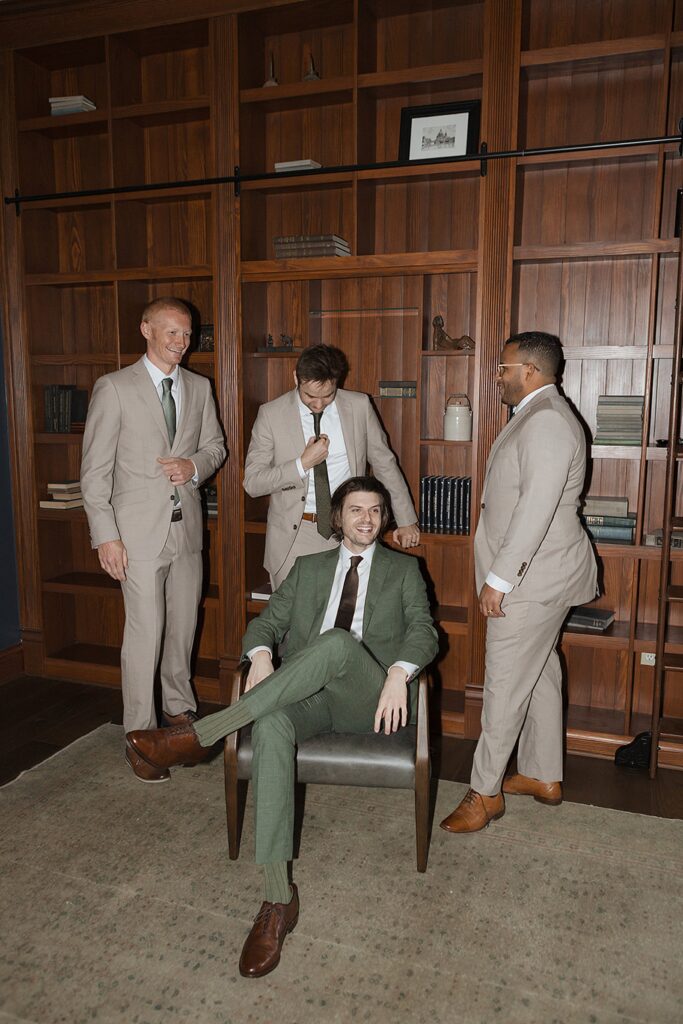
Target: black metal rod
x,y
483,157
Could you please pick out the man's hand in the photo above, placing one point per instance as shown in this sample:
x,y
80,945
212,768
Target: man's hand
x,y
393,702
407,536
490,601
261,667
178,471
113,558
315,452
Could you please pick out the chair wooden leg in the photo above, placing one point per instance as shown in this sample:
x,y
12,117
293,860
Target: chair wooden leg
x,y
422,776
235,796
422,821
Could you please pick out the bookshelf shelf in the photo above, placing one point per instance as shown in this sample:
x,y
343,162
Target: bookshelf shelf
x,y
606,51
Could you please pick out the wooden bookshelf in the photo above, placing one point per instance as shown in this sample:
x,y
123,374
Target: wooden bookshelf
x,y
580,244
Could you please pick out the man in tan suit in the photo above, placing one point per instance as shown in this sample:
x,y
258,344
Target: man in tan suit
x,y
533,561
151,437
303,446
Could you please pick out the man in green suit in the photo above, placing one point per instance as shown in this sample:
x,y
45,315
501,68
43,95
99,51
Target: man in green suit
x,y
359,631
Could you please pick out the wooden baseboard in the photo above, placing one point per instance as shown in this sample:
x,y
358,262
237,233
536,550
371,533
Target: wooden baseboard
x,y
11,663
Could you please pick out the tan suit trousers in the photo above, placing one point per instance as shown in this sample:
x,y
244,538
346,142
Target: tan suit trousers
x,y
308,542
522,696
164,591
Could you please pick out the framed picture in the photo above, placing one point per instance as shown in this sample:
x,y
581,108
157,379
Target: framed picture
x,y
439,131
205,338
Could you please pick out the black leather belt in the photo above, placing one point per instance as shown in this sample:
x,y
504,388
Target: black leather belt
x,y
176,515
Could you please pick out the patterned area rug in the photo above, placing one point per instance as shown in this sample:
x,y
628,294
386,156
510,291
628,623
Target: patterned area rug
x,y
119,904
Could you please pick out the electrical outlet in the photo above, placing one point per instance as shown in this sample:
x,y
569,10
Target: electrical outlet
x,y
647,659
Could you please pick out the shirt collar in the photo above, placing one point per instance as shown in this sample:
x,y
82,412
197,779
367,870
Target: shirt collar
x,y
158,375
532,394
345,555
304,408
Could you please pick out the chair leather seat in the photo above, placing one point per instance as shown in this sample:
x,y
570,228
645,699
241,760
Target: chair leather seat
x,y
348,759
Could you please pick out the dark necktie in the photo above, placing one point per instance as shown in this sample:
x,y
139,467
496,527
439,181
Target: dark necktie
x,y
168,407
321,482
349,595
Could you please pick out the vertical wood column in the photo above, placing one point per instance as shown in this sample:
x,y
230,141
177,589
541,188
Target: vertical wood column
x,y
502,32
17,376
227,305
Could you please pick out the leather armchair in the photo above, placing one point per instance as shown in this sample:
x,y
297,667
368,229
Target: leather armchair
x,y
398,761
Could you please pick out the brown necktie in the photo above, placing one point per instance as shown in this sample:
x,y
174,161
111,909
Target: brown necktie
x,y
347,602
321,483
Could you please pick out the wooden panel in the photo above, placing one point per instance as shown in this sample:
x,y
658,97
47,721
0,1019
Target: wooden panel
x,y
162,233
313,211
596,678
443,376
68,240
168,64
410,35
71,320
77,159
563,22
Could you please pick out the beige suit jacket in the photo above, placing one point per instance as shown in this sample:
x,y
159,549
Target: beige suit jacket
x,y
277,441
529,532
125,493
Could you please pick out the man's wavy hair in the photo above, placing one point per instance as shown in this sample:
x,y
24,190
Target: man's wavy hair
x,y
370,485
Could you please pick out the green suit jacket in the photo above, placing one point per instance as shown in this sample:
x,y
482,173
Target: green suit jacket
x,y
397,625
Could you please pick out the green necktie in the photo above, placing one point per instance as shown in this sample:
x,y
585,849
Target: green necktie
x,y
168,406
321,482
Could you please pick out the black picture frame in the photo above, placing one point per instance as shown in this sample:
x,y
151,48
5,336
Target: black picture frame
x,y
433,120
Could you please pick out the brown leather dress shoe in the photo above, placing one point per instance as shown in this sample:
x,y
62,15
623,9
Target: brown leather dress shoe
x,y
146,772
545,792
474,812
184,718
274,921
163,748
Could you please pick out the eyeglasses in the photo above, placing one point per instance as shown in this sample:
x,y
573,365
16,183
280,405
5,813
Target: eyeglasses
x,y
502,367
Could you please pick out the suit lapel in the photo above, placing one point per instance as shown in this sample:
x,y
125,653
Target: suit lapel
x,y
324,581
378,572
292,431
348,431
148,393
189,394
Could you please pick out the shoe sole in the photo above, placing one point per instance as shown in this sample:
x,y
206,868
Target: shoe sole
x,y
166,778
539,799
262,974
472,831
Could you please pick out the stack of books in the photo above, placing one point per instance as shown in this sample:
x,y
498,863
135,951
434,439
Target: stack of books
x,y
64,494
261,593
596,620
66,407
398,389
608,519
445,504
210,494
283,166
60,105
619,419
654,539
289,247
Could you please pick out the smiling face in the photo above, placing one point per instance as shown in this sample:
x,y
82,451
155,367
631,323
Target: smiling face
x,y
316,395
167,333
361,520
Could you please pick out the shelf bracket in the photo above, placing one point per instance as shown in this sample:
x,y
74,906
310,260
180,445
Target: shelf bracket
x,y
17,205
483,150
680,131
237,182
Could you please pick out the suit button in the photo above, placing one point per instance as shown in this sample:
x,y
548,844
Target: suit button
x,y
303,498
483,504
294,527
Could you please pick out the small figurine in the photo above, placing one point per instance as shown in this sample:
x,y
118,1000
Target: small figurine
x,y
311,75
286,341
269,341
271,80
443,341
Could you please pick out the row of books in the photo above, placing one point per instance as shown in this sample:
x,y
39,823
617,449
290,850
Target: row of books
x,y
445,504
289,247
63,494
60,105
66,407
210,500
619,419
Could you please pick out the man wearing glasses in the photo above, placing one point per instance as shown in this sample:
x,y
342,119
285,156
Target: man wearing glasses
x,y
533,561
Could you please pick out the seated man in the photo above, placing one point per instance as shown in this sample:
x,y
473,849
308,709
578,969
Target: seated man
x,y
359,631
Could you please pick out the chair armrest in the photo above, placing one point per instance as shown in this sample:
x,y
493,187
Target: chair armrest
x,y
422,760
232,741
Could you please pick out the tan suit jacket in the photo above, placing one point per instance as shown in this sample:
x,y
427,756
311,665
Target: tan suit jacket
x,y
529,532
277,441
125,493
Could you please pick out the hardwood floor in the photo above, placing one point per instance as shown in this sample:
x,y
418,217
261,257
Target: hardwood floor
x,y
41,716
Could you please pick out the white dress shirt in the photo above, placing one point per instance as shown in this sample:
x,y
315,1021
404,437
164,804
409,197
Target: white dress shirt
x,y
495,581
158,376
338,468
343,566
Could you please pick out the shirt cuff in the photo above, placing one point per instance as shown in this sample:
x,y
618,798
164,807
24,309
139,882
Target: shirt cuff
x,y
498,584
250,654
195,478
300,469
407,667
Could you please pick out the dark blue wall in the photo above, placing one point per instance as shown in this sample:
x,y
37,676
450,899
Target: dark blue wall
x,y
9,600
